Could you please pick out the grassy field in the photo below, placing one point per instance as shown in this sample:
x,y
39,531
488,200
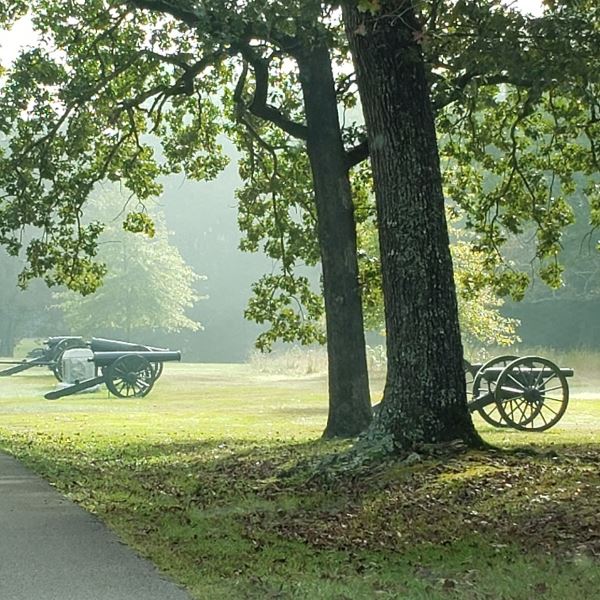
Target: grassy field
x,y
210,476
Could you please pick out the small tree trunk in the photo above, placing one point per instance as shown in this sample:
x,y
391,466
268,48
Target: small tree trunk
x,y
424,398
8,339
349,399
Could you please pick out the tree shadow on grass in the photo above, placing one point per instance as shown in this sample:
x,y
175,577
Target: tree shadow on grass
x,y
543,499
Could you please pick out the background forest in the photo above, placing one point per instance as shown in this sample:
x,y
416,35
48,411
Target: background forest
x,y
201,221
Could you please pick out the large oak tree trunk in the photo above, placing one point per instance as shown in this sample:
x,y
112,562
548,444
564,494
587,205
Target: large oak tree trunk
x,y
349,399
425,397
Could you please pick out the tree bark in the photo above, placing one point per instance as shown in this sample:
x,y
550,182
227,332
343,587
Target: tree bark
x,y
349,398
424,398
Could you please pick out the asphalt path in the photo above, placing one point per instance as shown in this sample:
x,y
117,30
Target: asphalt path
x,y
51,549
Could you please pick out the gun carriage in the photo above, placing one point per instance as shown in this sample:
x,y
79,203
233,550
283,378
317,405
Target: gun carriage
x,y
128,370
49,356
530,393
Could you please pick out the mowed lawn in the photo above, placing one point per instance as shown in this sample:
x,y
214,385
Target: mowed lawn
x,y
214,477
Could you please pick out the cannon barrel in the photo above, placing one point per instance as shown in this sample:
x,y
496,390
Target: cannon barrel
x,y
102,359
492,373
105,345
53,341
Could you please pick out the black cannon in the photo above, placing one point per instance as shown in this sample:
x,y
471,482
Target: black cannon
x,y
50,355
530,393
127,370
106,345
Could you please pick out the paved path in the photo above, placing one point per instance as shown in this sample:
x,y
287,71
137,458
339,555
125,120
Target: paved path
x,y
50,549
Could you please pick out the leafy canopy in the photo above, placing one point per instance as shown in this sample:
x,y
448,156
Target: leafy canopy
x,y
517,112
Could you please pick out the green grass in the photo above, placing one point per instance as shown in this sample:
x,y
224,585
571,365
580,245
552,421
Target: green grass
x,y
208,477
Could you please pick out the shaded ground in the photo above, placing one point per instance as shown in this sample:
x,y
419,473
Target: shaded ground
x,y
547,501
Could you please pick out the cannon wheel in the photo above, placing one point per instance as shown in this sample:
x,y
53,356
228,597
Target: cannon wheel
x,y
490,413
57,356
130,376
469,377
532,394
158,369
157,366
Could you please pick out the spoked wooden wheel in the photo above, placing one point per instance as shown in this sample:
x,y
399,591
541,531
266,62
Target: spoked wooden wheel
x,y
158,369
532,394
469,377
130,376
490,413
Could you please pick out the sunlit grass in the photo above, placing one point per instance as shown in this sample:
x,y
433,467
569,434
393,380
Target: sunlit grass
x,y
203,477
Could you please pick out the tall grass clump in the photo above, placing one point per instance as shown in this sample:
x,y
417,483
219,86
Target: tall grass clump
x,y
290,361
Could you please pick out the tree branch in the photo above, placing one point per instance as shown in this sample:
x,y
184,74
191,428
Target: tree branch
x,y
259,106
183,85
461,82
187,15
357,154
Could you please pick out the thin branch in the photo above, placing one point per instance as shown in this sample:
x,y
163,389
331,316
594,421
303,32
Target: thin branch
x,y
259,106
461,82
78,101
239,87
184,85
344,84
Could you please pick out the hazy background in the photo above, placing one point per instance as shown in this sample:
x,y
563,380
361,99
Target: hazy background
x,y
202,219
